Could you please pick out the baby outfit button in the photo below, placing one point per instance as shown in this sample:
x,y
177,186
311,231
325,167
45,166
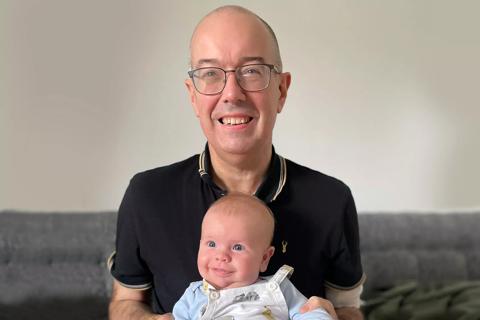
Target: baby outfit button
x,y
272,285
214,295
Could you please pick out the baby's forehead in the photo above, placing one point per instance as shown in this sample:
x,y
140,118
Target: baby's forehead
x,y
254,217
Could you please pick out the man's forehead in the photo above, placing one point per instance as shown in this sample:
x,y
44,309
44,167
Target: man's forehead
x,y
218,49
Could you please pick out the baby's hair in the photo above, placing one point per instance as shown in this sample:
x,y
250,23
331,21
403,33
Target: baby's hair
x,y
237,196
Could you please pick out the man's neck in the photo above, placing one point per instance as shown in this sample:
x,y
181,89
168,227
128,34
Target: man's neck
x,y
240,173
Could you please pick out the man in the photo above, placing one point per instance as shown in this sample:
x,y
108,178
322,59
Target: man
x,y
237,88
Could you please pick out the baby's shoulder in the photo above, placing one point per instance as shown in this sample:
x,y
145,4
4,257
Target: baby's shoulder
x,y
195,287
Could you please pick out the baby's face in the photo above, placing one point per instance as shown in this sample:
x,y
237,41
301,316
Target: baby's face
x,y
234,247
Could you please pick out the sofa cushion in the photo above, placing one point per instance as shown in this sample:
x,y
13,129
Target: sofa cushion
x,y
427,248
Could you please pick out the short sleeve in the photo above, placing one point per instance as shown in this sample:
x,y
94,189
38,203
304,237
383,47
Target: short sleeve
x,y
345,271
127,265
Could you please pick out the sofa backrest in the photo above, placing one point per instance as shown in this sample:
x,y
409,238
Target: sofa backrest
x,y
55,255
428,248
58,255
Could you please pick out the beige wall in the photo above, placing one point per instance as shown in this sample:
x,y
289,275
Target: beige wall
x,y
385,96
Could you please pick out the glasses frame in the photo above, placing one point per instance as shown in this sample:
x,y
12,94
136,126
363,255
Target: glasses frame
x,y
270,66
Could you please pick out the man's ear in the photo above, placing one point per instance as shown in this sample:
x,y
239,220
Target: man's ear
x,y
283,86
192,94
266,258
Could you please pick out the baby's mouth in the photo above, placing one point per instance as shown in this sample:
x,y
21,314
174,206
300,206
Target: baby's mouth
x,y
234,121
222,272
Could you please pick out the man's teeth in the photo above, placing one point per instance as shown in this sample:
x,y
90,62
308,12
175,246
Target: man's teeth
x,y
235,121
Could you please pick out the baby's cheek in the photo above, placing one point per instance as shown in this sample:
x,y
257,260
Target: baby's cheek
x,y
202,263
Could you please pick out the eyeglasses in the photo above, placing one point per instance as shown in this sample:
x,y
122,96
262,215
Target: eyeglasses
x,y
250,77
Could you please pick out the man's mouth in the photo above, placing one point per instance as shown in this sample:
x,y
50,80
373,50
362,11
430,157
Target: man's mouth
x,y
234,121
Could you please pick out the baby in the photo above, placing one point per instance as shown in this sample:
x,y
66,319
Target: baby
x,y
235,247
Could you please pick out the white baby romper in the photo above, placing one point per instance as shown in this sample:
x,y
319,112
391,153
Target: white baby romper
x,y
262,300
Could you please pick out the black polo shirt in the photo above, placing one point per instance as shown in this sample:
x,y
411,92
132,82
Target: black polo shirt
x,y
159,220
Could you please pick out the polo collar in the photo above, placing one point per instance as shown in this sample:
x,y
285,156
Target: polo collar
x,y
269,189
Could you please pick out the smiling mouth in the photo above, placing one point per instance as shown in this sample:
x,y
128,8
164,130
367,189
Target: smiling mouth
x,y
221,272
235,121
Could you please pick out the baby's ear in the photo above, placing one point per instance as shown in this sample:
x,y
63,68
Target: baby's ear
x,y
266,258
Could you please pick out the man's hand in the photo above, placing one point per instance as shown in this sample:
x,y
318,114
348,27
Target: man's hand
x,y
317,302
345,313
131,304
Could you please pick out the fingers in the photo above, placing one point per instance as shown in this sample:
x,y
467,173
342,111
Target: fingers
x,y
317,302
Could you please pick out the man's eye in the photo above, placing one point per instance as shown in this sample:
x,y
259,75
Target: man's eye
x,y
211,244
209,74
252,71
237,247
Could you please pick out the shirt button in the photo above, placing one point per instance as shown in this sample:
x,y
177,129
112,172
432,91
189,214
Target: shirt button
x,y
272,286
214,295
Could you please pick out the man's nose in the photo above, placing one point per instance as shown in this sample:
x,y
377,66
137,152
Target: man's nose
x,y
232,91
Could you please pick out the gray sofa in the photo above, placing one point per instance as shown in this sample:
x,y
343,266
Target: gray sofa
x,y
53,265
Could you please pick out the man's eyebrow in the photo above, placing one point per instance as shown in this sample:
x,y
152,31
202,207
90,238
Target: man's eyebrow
x,y
252,59
206,61
243,60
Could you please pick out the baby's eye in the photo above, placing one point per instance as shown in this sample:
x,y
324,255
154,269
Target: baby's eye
x,y
211,244
237,247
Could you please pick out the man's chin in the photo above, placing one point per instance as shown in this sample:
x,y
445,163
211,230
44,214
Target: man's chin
x,y
237,148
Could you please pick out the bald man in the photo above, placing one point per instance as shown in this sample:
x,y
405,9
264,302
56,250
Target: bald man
x,y
237,87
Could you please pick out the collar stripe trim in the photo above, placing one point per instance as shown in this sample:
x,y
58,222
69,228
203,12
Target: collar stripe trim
x,y
281,181
283,177
201,164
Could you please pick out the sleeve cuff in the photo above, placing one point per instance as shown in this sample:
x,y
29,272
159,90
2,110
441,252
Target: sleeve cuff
x,y
357,284
345,296
125,281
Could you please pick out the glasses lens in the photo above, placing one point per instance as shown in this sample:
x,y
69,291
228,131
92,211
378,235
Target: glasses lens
x,y
209,80
254,77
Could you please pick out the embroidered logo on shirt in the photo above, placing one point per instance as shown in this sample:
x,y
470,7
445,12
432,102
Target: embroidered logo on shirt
x,y
251,296
284,246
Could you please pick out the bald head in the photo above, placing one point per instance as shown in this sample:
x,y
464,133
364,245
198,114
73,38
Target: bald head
x,y
230,18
